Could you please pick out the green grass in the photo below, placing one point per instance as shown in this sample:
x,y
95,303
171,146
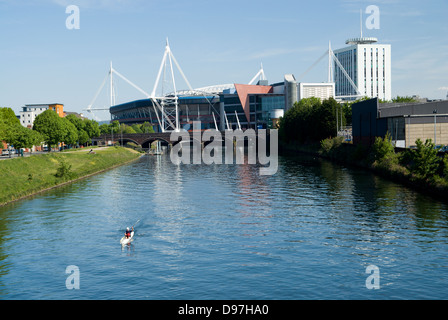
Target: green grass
x,y
24,176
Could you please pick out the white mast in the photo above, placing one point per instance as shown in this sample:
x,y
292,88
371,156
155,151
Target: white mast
x,y
330,60
214,119
112,91
238,120
227,121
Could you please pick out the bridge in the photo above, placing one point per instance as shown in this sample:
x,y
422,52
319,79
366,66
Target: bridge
x,y
145,139
142,139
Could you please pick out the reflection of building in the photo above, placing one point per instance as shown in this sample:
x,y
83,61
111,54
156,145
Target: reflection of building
x,y
369,66
31,111
406,122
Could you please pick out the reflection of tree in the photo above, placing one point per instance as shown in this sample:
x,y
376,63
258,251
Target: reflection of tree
x,y
3,254
380,201
428,213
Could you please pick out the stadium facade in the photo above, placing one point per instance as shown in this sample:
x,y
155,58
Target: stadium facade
x,y
227,106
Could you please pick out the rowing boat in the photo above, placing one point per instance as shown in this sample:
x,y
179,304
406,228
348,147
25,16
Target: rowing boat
x,y
124,241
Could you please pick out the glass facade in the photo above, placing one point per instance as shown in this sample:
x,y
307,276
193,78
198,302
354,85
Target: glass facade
x,y
268,103
202,109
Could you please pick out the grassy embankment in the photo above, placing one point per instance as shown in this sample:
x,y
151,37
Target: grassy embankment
x,y
409,168
21,177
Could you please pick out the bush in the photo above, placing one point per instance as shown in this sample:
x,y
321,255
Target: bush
x,y
330,144
445,166
64,170
426,161
383,148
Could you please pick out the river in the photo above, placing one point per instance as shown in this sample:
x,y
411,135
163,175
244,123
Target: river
x,y
224,232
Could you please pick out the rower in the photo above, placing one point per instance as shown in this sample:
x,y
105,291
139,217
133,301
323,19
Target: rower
x,y
128,232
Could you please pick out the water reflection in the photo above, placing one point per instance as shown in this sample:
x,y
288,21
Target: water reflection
x,y
224,231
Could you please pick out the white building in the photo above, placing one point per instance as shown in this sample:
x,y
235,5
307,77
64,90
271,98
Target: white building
x,y
368,64
323,91
295,91
30,112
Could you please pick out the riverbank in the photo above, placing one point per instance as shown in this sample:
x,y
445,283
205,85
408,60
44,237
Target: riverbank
x,y
23,177
362,157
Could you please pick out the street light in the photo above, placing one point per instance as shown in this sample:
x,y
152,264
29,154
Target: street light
x,y
435,123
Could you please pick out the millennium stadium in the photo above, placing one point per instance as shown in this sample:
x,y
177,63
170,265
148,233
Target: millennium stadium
x,y
257,104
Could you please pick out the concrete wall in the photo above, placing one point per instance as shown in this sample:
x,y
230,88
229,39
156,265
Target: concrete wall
x,y
426,131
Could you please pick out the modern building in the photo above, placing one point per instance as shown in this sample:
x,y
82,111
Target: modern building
x,y
31,111
295,91
368,64
322,90
58,108
406,122
236,106
228,106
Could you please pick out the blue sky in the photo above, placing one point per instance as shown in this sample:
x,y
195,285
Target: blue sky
x,y
215,42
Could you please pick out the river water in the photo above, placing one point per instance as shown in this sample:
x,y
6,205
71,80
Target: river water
x,y
225,232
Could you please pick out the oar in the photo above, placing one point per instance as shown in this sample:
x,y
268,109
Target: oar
x,y
136,223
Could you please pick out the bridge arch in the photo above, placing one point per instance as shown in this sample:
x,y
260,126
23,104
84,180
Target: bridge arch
x,y
146,144
125,140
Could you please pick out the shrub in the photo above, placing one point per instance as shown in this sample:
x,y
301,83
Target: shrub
x,y
383,148
426,161
64,170
330,144
445,166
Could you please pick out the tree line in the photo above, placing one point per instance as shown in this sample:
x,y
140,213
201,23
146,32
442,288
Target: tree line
x,y
50,129
311,120
12,132
117,128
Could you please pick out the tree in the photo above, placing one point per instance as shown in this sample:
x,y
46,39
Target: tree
x,y
8,115
78,122
8,121
310,120
147,127
426,161
325,119
104,129
71,133
137,128
115,127
92,128
127,129
83,137
406,99
383,148
25,137
51,126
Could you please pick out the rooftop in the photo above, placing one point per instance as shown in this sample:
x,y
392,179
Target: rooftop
x,y
362,40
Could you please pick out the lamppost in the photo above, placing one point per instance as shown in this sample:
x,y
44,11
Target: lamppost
x,y
435,126
408,134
